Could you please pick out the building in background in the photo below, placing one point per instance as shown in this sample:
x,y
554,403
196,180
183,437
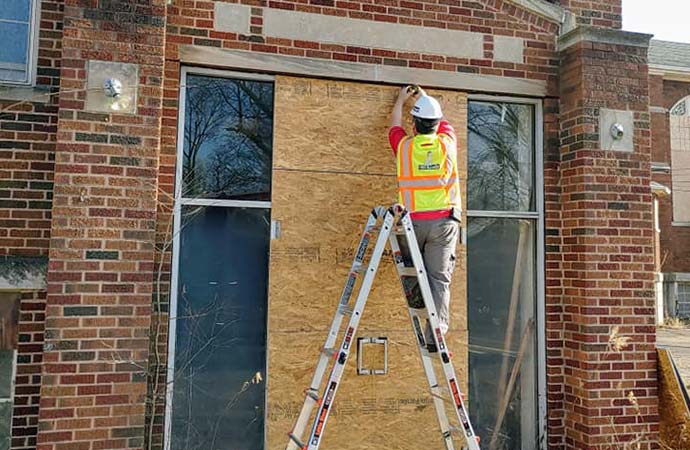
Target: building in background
x,y
670,111
181,182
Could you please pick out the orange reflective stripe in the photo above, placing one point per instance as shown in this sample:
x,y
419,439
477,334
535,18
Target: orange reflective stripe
x,y
448,159
440,191
404,157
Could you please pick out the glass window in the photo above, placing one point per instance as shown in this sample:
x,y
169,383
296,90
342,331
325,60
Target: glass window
x,y
222,237
502,299
9,318
221,328
502,278
683,300
16,34
680,161
228,136
500,157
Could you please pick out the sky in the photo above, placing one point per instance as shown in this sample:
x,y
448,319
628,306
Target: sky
x,y
667,20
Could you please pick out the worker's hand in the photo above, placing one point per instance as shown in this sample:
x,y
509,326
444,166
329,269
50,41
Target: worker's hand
x,y
407,92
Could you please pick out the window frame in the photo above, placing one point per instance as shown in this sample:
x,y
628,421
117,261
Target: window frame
x,y
32,48
686,102
683,101
538,217
179,202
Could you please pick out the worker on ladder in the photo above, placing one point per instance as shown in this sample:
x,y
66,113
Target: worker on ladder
x,y
429,189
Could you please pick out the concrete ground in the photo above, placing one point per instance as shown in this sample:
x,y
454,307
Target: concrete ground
x,y
678,341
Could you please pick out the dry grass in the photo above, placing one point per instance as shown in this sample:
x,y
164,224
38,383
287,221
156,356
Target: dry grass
x,y
676,323
623,441
617,343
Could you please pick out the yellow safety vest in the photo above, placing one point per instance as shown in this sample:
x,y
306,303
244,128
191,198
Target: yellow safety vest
x,y
428,173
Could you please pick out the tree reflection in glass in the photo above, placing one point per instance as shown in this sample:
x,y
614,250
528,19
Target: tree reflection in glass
x,y
500,157
228,135
220,347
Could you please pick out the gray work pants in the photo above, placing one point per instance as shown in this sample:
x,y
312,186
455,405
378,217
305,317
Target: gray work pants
x,y
437,241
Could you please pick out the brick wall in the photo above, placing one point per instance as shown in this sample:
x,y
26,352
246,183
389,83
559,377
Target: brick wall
x,y
28,380
96,303
674,240
553,275
192,23
98,309
608,253
27,149
27,152
158,361
599,13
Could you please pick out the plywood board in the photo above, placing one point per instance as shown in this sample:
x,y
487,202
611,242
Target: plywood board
x,y
311,260
343,127
332,164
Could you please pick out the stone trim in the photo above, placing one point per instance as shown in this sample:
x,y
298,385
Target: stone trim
x,y
35,94
22,274
677,276
231,18
348,31
372,34
315,67
549,11
671,73
660,167
603,36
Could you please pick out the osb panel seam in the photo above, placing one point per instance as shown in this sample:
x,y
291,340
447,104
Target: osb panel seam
x,y
332,163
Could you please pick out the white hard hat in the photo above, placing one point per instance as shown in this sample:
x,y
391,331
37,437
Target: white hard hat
x,y
427,108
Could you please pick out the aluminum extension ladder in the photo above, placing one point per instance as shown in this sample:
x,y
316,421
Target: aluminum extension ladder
x,y
395,223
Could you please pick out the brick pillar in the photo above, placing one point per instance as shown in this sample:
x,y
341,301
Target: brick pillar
x,y
598,13
93,391
608,242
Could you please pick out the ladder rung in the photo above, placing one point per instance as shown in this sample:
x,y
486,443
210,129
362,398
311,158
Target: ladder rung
x,y
445,399
439,396
313,394
408,271
296,440
345,310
